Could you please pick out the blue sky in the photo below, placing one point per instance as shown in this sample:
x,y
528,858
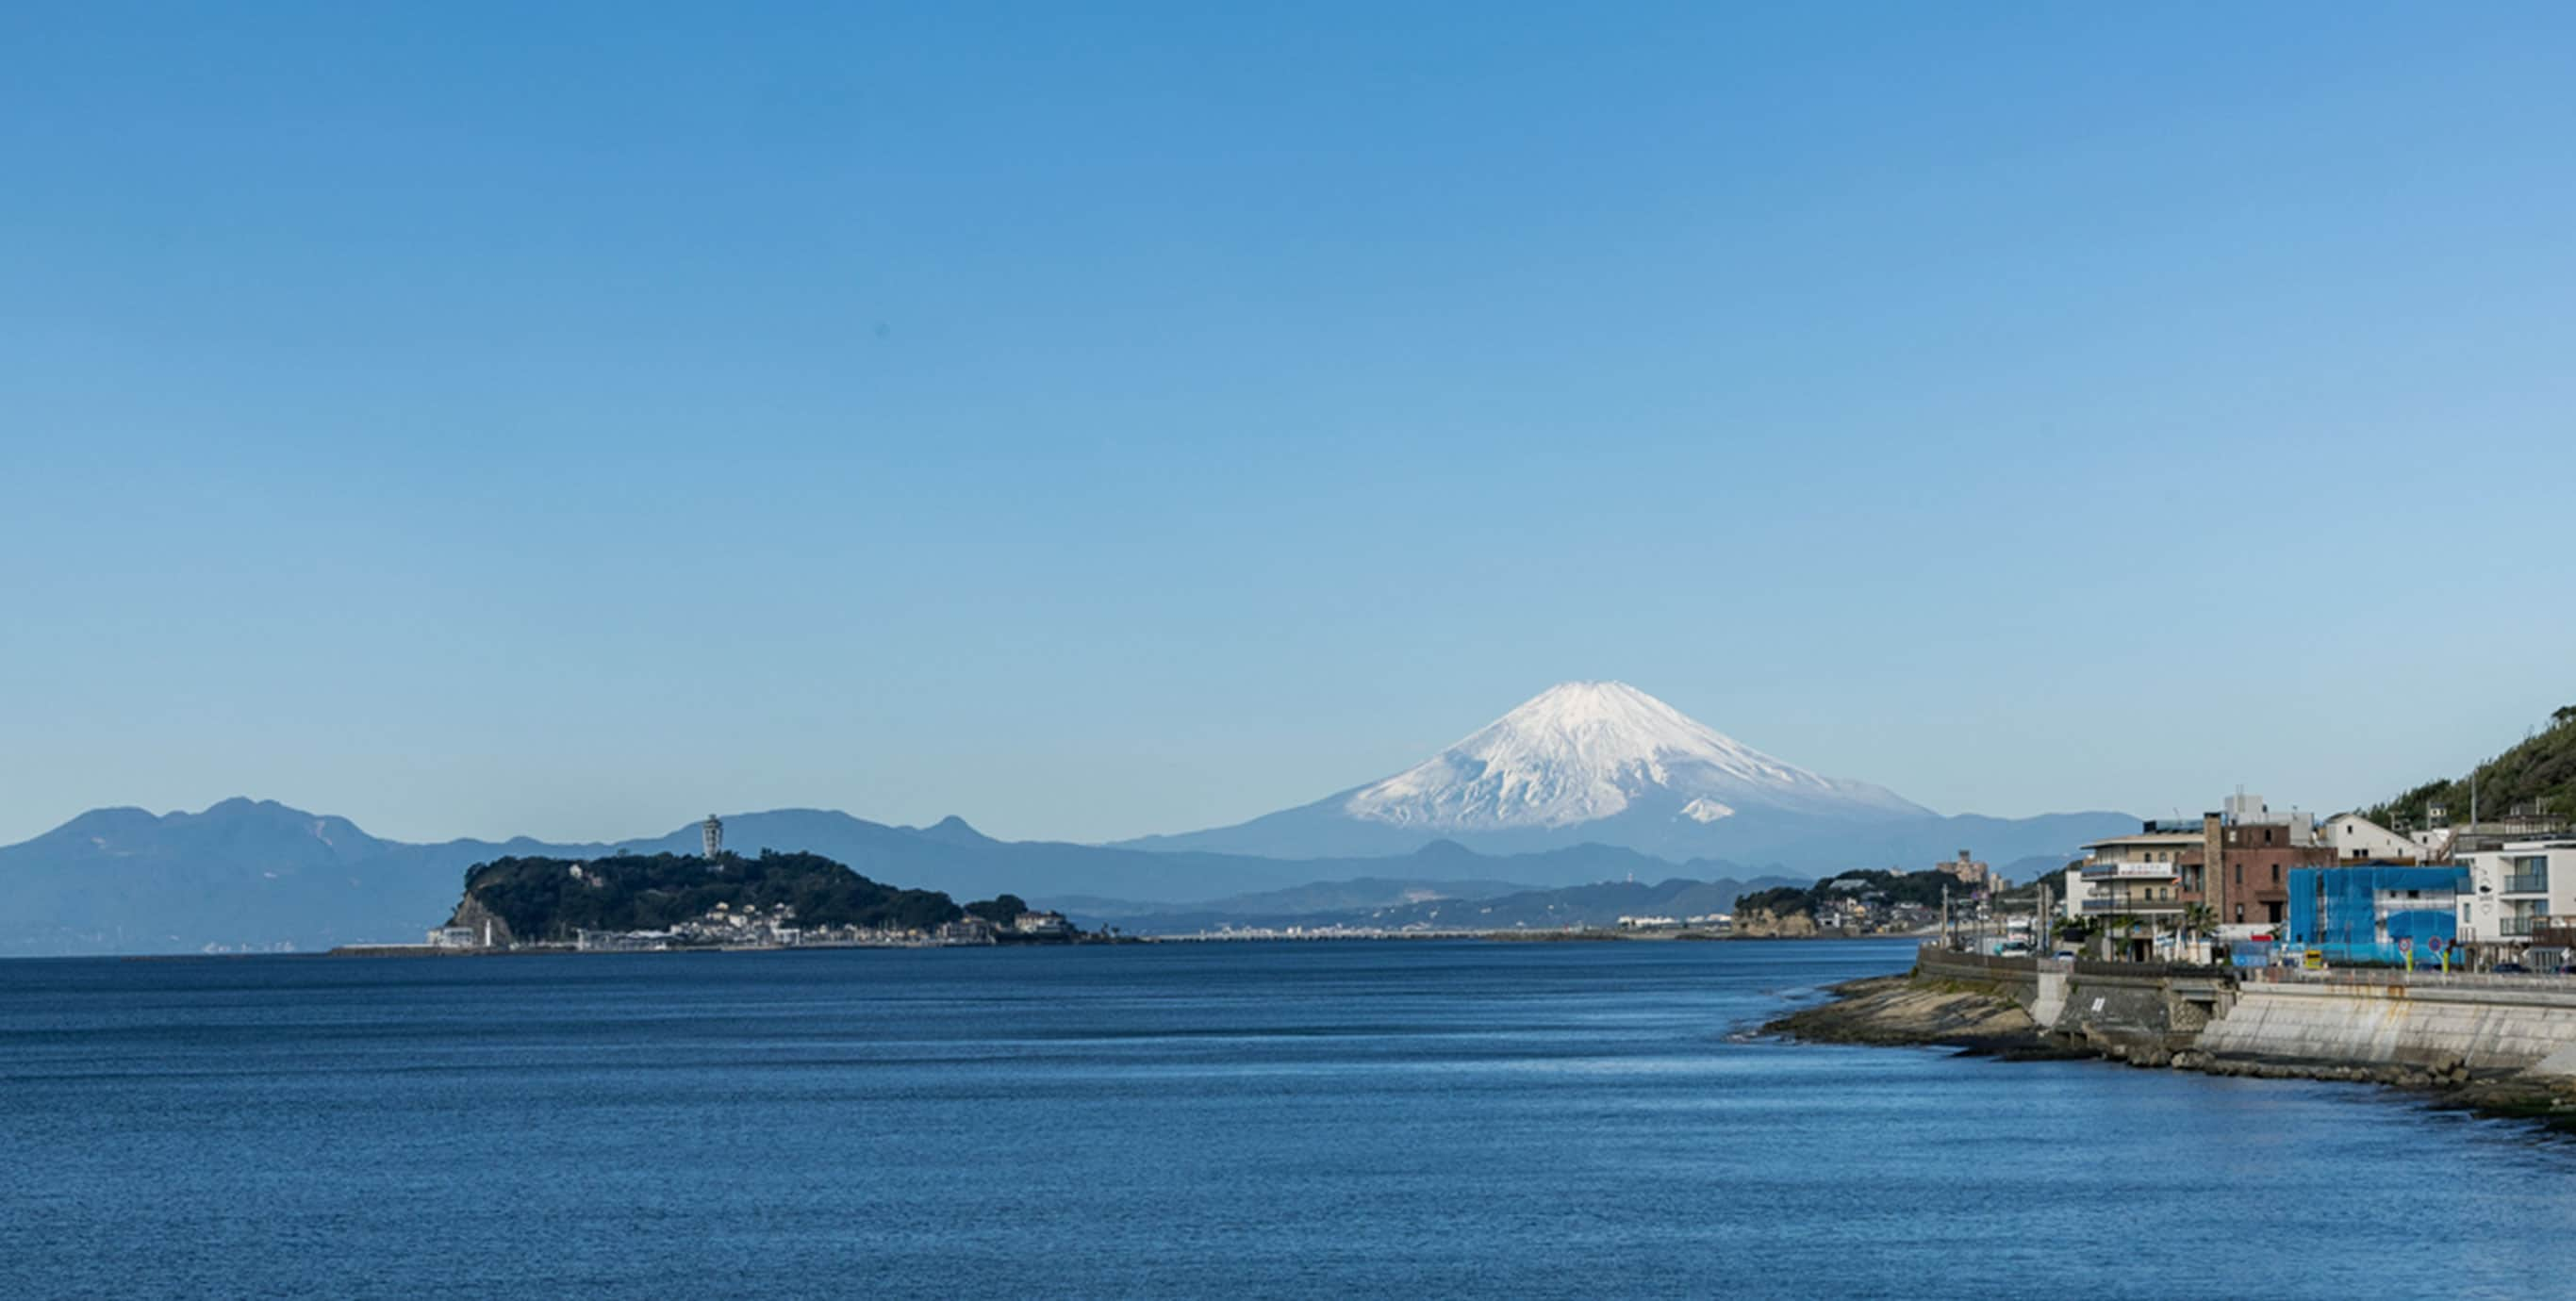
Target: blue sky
x,y
1098,422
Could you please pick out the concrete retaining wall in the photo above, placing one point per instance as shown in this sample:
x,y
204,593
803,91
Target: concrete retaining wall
x,y
2014,978
2398,1025
2130,1014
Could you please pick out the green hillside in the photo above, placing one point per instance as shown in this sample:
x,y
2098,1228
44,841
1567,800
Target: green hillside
x,y
1925,888
550,898
2541,770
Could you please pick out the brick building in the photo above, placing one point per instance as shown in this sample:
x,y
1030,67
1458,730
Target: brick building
x,y
2250,886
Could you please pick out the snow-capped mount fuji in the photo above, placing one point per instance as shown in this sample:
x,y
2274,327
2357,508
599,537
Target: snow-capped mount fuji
x,y
1606,763
1582,751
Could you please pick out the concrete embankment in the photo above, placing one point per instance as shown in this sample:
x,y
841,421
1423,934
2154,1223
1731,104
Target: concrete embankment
x,y
2484,1029
2496,1045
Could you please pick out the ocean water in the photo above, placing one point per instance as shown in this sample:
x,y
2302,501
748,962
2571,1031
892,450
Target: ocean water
x,y
1402,1119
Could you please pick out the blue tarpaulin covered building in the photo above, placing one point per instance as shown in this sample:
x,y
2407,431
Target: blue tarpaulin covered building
x,y
2360,913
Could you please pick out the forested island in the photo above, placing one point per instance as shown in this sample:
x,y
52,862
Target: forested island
x,y
676,900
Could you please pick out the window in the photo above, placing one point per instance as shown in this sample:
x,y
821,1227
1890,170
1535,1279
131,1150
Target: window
x,y
2240,880
2527,874
2276,874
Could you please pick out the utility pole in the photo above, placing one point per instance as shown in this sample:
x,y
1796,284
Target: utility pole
x,y
2045,942
1945,916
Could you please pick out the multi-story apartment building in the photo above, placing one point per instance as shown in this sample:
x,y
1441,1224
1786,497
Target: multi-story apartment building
x,y
2152,875
2514,891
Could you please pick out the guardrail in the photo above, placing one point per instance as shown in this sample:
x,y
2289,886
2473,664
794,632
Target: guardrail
x,y
2382,977
1936,955
2103,967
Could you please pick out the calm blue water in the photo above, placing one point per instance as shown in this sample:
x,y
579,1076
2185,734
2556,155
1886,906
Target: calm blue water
x,y
1261,1120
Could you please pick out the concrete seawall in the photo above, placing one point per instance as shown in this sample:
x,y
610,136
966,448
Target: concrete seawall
x,y
2382,1023
2499,1045
2486,1029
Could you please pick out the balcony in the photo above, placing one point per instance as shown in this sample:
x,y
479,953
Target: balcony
x,y
2527,883
2139,907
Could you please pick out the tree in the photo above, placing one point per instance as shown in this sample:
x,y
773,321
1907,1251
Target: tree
x,y
2198,920
1001,910
545,897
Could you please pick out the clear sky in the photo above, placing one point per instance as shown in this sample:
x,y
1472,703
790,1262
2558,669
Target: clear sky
x,y
482,419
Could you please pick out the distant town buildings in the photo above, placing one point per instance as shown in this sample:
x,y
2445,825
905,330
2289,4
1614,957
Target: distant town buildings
x,y
1041,923
1971,872
461,937
969,929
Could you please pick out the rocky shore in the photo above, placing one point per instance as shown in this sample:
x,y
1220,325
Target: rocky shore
x,y
1914,1011
1898,1011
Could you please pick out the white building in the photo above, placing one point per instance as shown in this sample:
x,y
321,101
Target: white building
x,y
461,937
2357,839
2512,888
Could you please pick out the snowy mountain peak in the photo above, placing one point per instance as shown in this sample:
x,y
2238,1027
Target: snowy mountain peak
x,y
1580,751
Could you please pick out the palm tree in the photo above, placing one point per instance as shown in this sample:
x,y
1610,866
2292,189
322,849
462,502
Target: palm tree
x,y
2198,920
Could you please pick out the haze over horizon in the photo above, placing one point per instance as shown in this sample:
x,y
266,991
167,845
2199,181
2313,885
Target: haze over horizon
x,y
1093,426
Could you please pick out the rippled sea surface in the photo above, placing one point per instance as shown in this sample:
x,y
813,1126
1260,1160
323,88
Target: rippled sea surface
x,y
1176,1120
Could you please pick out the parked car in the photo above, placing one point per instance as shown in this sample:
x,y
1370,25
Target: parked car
x,y
2510,969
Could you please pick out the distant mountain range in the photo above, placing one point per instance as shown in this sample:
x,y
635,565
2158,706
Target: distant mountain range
x,y
1605,763
246,874
1590,782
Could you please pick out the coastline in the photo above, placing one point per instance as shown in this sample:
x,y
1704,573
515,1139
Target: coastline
x,y
1899,1012
1922,1010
